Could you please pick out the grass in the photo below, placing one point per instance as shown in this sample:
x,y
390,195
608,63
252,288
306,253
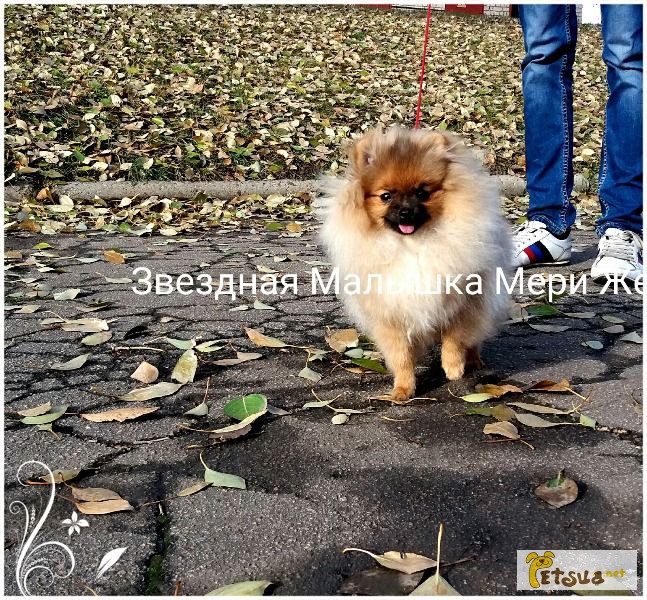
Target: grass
x,y
241,92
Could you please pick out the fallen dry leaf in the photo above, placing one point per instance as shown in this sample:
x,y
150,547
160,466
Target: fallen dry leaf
x,y
119,414
193,489
158,390
435,586
72,364
85,325
263,340
405,562
41,409
504,428
241,357
59,476
342,339
558,491
538,408
145,372
497,390
94,339
112,256
103,508
94,494
535,421
545,385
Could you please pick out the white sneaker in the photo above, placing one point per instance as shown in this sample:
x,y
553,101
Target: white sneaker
x,y
534,245
620,252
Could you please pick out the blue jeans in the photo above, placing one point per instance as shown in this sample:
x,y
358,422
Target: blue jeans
x,y
550,34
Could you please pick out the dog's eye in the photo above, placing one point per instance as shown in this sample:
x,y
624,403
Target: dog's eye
x,y
386,197
422,194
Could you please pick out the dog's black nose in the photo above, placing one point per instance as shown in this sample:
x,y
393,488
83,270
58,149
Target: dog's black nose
x,y
405,214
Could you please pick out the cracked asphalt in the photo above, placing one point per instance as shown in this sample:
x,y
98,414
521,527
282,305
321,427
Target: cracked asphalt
x,y
312,488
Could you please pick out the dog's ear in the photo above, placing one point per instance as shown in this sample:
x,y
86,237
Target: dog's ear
x,y
361,153
442,141
549,553
531,557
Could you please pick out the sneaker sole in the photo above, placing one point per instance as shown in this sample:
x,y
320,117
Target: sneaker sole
x,y
547,264
610,276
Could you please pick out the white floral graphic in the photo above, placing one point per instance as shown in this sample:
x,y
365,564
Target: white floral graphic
x,y
75,523
34,560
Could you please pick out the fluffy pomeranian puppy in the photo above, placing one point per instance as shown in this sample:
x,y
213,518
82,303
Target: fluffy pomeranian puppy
x,y
415,211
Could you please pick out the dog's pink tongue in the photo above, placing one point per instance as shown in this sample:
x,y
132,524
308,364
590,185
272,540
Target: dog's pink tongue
x,y
406,228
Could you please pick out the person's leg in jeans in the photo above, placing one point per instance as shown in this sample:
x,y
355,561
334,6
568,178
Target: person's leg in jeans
x,y
621,168
550,35
620,190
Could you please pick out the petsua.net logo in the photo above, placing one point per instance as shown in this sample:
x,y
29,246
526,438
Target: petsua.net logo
x,y
577,570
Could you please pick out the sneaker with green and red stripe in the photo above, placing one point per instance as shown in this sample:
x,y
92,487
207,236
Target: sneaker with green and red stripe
x,y
534,245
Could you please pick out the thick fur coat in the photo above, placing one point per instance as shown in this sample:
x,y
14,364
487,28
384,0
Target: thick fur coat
x,y
462,233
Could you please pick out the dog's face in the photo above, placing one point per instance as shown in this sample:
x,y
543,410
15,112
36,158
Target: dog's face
x,y
401,173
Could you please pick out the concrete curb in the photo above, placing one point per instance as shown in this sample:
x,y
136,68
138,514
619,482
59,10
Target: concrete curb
x,y
111,190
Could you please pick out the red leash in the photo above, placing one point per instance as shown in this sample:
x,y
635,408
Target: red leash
x,y
422,68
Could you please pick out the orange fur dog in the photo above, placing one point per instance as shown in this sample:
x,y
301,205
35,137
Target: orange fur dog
x,y
415,211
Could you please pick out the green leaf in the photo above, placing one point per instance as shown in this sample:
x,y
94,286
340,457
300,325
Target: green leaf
x,y
435,587
199,411
56,412
186,366
258,305
542,310
613,319
594,344
273,226
209,346
588,421
308,373
218,479
371,365
549,328
180,344
479,397
340,419
354,353
631,337
241,408
243,588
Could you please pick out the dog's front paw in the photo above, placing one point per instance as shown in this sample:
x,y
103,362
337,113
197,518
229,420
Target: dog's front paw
x,y
454,371
401,394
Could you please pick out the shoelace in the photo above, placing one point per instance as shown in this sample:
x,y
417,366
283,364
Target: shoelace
x,y
524,234
621,245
